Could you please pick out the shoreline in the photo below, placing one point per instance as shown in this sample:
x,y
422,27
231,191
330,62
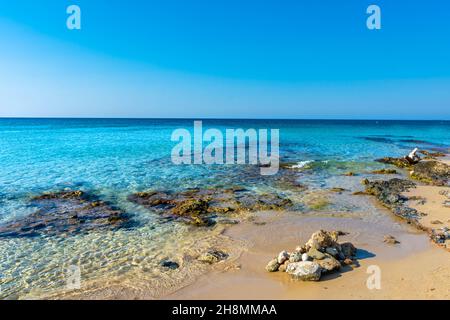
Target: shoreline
x,y
260,236
249,280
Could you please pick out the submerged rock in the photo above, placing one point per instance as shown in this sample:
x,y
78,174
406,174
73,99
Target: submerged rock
x,y
385,171
66,213
198,206
398,162
213,256
304,270
168,264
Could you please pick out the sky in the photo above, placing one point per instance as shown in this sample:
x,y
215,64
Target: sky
x,y
225,59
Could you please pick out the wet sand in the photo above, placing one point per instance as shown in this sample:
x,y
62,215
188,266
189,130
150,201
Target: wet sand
x,y
413,269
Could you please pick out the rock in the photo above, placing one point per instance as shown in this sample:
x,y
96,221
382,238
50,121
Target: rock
x,y
447,244
389,193
301,249
305,271
349,174
398,162
282,257
435,222
168,264
385,171
273,265
328,264
198,206
66,213
390,240
227,221
213,256
332,251
320,239
348,261
283,267
338,190
295,257
432,154
305,257
432,172
315,254
348,250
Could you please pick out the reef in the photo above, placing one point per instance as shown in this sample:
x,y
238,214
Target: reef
x,y
66,213
200,207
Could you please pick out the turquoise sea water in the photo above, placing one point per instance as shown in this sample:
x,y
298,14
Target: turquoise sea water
x,y
113,158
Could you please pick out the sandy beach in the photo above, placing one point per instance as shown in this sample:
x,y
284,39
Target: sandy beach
x,y
414,269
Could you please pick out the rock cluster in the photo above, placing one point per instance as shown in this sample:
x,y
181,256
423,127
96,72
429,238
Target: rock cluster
x,y
389,193
321,254
199,206
65,213
432,172
429,171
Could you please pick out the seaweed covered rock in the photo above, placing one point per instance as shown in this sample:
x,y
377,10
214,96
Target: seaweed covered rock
x,y
432,172
389,193
398,162
198,206
66,213
321,254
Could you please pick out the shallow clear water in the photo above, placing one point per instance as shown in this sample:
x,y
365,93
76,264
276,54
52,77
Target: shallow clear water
x,y
113,158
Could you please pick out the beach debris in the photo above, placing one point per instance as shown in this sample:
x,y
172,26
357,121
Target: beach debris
x,y
199,207
321,254
66,213
435,222
412,157
390,240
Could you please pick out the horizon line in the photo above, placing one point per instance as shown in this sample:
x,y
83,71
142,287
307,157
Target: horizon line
x,y
206,118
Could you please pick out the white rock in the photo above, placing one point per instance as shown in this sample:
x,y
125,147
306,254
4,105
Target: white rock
x,y
305,257
305,271
282,257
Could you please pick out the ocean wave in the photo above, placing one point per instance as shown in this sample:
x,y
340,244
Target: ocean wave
x,y
302,164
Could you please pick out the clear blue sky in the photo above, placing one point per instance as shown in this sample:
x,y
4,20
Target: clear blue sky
x,y
225,58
